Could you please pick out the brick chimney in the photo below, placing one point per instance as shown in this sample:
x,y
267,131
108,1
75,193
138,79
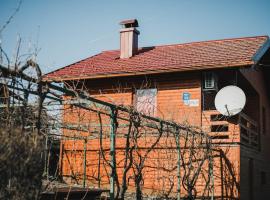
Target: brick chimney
x,y
129,38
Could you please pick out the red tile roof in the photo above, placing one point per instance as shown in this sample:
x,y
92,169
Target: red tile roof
x,y
168,58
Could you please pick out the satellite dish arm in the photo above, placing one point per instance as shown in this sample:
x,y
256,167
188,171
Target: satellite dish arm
x,y
226,106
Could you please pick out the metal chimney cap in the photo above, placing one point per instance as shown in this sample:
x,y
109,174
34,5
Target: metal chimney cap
x,y
129,23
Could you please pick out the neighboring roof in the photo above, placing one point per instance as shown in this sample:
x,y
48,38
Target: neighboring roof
x,y
168,58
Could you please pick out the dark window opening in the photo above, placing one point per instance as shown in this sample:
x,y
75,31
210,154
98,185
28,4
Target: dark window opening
x,y
209,100
219,128
220,137
218,117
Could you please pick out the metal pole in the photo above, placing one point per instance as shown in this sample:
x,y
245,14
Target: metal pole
x,y
99,168
211,174
84,162
48,160
178,166
112,152
221,173
45,156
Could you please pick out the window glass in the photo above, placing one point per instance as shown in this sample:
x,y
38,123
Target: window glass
x,y
146,101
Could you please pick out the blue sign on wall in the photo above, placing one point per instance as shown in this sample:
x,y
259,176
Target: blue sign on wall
x,y
186,96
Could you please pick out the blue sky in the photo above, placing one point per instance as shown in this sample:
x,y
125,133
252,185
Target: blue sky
x,y
69,30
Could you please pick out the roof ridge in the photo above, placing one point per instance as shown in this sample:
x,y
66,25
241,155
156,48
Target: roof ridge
x,y
195,42
217,40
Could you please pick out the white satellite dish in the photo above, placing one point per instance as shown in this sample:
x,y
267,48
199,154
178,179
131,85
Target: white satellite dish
x,y
230,100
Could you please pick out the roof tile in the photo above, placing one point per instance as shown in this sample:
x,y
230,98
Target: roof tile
x,y
166,58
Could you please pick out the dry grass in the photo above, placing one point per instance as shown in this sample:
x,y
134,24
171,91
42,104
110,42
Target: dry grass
x,y
20,164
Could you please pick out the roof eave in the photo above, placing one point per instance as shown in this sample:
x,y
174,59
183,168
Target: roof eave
x,y
195,68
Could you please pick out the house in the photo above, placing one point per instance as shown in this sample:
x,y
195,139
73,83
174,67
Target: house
x,y
179,82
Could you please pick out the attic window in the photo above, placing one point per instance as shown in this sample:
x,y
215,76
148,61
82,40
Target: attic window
x,y
146,101
210,81
209,86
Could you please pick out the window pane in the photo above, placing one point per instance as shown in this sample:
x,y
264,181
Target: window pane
x,y
146,101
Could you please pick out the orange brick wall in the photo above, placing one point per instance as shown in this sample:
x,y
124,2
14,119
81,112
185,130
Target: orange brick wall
x,y
170,106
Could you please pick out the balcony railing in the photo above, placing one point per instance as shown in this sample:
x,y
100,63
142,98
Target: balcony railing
x,y
218,128
240,128
249,131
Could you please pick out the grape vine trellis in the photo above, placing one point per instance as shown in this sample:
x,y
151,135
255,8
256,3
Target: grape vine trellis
x,y
188,149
